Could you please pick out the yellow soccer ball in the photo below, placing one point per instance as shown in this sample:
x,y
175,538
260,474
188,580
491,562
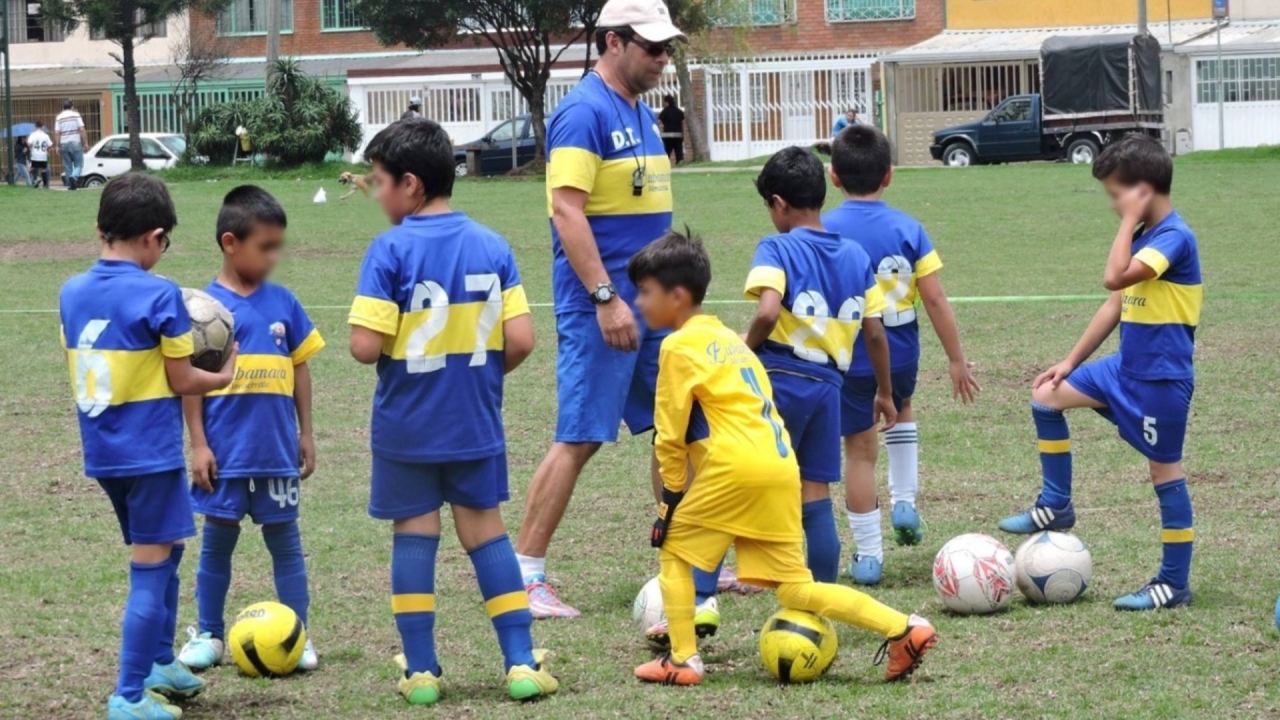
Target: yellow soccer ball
x,y
797,646
266,640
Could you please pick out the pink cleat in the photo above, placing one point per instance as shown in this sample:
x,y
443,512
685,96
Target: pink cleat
x,y
728,582
543,602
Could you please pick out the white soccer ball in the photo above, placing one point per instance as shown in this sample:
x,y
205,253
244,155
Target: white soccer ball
x,y
974,574
212,329
648,609
1053,567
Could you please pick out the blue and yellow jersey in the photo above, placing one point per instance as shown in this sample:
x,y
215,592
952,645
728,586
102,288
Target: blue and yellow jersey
x,y
119,323
252,425
714,409
901,254
438,288
827,288
597,142
1158,317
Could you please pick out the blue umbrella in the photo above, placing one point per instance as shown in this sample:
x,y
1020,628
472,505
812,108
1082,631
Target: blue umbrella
x,y
19,130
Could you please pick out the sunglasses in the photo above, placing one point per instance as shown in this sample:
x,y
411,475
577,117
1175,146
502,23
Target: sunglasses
x,y
165,243
653,49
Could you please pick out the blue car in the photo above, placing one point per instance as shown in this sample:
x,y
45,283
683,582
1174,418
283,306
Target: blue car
x,y
495,148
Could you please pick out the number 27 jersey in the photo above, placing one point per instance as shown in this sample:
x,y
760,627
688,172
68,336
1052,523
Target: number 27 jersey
x,y
438,288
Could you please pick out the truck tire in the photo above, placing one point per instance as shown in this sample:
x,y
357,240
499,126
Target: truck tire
x,y
1082,151
959,154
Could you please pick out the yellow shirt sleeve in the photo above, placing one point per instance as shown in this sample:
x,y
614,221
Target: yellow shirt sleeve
x,y
573,167
875,300
764,277
309,347
928,265
514,303
678,374
177,347
381,316
1153,259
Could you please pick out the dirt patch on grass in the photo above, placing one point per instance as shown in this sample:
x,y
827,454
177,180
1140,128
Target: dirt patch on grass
x,y
34,251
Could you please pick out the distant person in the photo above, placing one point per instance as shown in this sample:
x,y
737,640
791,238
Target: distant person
x,y
672,120
71,137
850,117
415,108
38,143
21,156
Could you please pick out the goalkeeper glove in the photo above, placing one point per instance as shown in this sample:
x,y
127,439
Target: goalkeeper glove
x,y
670,499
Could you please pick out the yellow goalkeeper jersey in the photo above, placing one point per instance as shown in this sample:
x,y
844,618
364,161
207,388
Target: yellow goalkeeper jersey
x,y
714,408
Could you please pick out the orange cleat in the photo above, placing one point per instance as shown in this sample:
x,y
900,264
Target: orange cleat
x,y
665,671
907,650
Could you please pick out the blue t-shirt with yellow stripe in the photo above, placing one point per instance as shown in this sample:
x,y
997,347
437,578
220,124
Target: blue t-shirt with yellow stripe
x,y
901,254
827,289
596,142
119,323
1158,317
438,288
252,425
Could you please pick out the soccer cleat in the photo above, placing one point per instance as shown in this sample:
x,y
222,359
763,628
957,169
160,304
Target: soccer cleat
x,y
173,681
530,683
706,621
309,659
1153,596
728,582
422,688
665,671
906,524
1039,517
866,570
543,602
148,708
202,651
907,650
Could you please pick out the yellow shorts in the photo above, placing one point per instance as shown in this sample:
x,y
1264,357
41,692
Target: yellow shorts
x,y
762,563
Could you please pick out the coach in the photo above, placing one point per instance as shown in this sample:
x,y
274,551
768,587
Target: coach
x,y
609,195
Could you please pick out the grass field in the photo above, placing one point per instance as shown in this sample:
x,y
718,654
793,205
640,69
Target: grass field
x,y
1014,231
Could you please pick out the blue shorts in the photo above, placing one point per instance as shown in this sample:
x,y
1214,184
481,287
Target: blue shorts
x,y
403,490
268,501
810,410
858,398
152,509
1151,415
598,387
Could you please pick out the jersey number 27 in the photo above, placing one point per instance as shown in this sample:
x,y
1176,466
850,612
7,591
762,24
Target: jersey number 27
x,y
430,294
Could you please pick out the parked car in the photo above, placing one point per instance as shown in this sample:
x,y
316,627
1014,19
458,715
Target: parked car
x,y
495,148
110,157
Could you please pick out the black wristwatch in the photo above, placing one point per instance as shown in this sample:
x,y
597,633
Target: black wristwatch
x,y
604,294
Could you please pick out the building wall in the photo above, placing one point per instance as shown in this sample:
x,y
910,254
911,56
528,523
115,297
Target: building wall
x,y
77,50
813,33
1254,9
305,39
1000,14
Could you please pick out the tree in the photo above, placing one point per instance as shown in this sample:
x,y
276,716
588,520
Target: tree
x,y
529,35
127,23
195,57
699,19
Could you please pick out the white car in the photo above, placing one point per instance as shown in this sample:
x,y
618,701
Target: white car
x,y
110,157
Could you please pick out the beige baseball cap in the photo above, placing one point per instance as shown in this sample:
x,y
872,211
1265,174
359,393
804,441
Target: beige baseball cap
x,y
650,19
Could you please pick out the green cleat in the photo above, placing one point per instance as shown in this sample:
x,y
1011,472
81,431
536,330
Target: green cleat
x,y
530,683
422,688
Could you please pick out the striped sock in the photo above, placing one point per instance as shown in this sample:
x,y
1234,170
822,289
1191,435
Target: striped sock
x,y
902,442
1055,456
413,599
822,540
164,654
284,542
1176,533
213,575
498,573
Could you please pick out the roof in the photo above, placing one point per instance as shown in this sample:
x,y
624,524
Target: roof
x,y
1238,37
79,78
1024,44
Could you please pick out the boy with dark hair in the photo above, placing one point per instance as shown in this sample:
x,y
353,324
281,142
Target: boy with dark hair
x,y
906,269
1153,273
249,440
128,341
715,413
816,292
440,309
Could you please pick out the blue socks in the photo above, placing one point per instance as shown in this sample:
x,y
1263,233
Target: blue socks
x,y
413,598
290,567
706,583
213,576
1176,532
822,540
143,627
1055,456
502,587
164,655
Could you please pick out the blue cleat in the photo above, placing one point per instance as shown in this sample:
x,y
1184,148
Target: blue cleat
x,y
148,708
173,681
1039,517
906,524
1153,596
865,570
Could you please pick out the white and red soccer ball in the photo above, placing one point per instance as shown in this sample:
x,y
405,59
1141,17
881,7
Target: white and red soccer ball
x,y
974,574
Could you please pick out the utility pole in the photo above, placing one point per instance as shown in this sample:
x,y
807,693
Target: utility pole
x,y
10,169
1142,17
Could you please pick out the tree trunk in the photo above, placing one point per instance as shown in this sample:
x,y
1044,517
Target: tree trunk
x,y
132,113
692,117
273,39
538,116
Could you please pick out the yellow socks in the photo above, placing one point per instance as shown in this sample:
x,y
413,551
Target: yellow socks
x,y
837,602
675,576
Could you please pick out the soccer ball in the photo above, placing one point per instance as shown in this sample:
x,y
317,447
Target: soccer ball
x,y
974,574
266,640
648,610
797,646
1053,567
212,329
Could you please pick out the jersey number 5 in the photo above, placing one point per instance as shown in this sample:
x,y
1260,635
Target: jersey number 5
x,y
93,372
430,294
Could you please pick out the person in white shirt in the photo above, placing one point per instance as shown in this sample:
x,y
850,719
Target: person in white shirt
x,y
39,144
71,135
